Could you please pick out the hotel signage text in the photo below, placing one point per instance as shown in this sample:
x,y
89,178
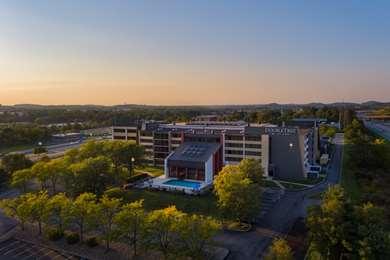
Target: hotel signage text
x,y
280,131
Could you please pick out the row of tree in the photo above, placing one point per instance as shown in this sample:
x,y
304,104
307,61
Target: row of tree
x,y
339,229
13,135
91,168
168,230
11,163
368,158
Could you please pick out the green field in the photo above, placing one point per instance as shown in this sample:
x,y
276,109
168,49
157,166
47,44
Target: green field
x,y
205,204
16,148
155,171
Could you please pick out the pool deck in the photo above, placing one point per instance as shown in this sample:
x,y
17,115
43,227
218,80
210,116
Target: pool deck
x,y
160,183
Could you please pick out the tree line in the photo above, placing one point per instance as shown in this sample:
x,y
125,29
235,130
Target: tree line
x,y
342,229
13,135
369,161
350,223
93,167
169,231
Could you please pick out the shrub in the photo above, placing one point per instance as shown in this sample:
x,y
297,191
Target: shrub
x,y
54,234
114,193
137,177
92,242
72,238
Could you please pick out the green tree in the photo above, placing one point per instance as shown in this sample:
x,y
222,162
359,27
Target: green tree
x,y
121,152
373,240
40,171
195,231
17,208
20,179
37,203
331,225
162,229
91,149
107,210
238,197
92,174
13,162
252,170
58,211
130,224
83,212
279,250
55,169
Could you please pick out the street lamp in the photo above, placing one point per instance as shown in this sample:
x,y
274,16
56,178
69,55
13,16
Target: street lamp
x,y
291,145
132,165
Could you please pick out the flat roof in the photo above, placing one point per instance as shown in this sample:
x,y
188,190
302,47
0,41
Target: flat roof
x,y
194,152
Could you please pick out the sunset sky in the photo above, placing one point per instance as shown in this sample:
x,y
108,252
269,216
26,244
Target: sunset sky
x,y
193,52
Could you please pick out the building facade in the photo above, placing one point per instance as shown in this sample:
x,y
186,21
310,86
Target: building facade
x,y
284,152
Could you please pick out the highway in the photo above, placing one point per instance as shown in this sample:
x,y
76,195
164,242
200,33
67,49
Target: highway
x,y
57,148
379,128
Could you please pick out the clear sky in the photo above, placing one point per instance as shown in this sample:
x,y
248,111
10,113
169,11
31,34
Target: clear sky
x,y
193,52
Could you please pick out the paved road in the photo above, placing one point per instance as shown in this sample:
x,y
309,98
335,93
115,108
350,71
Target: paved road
x,y
381,129
6,224
58,148
281,217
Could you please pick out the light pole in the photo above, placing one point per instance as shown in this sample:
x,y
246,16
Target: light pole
x,y
132,166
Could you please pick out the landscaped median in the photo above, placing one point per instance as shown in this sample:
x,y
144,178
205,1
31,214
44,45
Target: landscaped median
x,y
299,184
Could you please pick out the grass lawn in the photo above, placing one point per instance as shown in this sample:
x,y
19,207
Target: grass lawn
x,y
292,186
304,181
348,179
270,184
155,171
16,148
205,204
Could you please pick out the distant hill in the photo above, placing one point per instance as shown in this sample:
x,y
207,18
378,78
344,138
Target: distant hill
x,y
364,105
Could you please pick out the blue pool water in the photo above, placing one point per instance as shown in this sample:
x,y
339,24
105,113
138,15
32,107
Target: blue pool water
x,y
185,184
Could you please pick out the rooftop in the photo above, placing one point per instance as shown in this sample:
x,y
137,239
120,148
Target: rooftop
x,y
194,151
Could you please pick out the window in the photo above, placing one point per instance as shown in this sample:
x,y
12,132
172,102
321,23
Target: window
x,y
161,142
160,136
253,138
233,159
256,146
237,145
234,137
252,153
145,133
233,152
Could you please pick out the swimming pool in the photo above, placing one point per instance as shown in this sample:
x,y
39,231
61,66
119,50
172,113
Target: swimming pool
x,y
184,184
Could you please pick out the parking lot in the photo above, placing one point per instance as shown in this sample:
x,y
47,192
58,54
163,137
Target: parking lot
x,y
17,249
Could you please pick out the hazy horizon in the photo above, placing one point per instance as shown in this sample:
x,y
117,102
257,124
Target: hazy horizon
x,y
193,52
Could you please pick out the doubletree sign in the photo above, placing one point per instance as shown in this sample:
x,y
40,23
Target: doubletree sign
x,y
280,131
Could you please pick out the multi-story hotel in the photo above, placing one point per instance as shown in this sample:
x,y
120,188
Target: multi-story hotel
x,y
198,150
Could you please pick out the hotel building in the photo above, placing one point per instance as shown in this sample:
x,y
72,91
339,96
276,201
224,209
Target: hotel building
x,y
199,149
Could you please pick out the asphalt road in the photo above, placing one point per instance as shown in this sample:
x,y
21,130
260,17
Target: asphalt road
x,y
57,148
381,129
6,224
278,221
